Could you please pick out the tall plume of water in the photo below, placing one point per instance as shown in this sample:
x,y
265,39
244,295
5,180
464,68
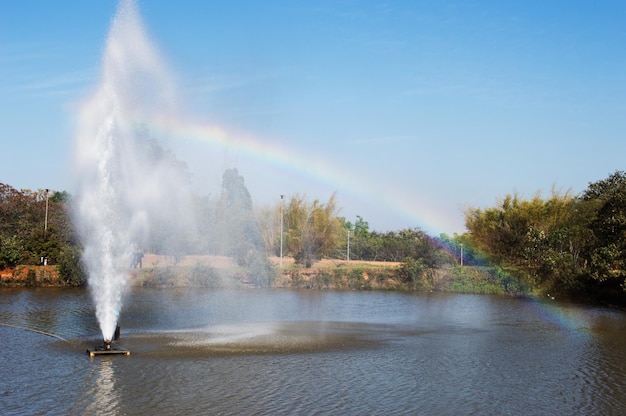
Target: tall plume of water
x,y
126,183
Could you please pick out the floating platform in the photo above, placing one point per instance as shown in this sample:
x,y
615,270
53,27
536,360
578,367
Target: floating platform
x,y
102,350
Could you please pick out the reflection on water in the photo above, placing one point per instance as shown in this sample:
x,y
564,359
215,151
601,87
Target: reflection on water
x,y
102,397
268,337
307,352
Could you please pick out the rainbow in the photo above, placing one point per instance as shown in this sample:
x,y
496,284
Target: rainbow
x,y
399,202
560,316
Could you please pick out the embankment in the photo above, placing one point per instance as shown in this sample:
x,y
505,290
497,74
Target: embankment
x,y
222,272
31,276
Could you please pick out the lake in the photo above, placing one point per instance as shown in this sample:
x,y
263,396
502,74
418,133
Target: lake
x,y
234,352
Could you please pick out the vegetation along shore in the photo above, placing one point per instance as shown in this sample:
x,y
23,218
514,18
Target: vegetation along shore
x,y
564,246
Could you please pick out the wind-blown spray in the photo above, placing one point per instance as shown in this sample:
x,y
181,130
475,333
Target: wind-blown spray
x,y
126,182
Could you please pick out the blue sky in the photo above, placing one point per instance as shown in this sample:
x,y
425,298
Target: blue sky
x,y
411,111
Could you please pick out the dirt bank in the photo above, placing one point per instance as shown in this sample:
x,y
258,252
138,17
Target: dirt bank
x,y
31,276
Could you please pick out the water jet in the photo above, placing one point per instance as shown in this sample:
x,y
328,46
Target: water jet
x,y
129,188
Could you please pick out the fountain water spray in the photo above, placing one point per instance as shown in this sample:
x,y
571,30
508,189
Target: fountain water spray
x,y
127,182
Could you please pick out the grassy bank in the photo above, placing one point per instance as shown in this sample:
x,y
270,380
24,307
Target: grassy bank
x,y
221,272
390,276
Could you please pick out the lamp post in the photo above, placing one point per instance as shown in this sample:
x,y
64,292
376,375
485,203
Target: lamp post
x,y
45,224
348,252
281,231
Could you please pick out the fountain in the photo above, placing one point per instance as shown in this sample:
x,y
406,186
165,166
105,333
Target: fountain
x,y
126,182
107,348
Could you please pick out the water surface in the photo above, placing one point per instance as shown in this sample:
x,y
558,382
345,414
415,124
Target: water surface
x,y
196,351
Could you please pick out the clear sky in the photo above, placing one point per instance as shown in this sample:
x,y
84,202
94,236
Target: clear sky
x,y
412,111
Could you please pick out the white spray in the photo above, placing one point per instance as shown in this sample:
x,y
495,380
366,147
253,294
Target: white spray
x,y
125,185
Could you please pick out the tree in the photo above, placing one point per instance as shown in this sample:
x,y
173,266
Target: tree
x,y
535,238
606,250
360,247
313,231
239,232
71,268
399,245
237,229
10,251
268,219
23,236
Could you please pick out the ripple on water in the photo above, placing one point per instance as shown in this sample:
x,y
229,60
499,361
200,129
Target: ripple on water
x,y
266,338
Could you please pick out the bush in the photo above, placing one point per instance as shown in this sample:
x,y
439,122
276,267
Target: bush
x,y
71,268
10,252
411,270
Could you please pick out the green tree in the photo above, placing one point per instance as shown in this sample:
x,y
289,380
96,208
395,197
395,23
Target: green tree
x,y
10,251
360,247
313,230
23,225
606,249
533,238
239,234
71,268
412,270
237,227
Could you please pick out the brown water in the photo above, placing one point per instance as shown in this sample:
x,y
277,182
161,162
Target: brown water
x,y
308,352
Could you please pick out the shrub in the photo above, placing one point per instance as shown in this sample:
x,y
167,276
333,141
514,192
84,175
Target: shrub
x,y
71,268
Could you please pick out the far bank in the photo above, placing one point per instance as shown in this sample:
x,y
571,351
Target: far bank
x,y
327,274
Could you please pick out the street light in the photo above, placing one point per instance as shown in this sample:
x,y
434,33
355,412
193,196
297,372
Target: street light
x,y
348,252
461,254
281,231
45,224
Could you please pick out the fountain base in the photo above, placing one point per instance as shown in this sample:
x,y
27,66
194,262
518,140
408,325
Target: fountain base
x,y
107,349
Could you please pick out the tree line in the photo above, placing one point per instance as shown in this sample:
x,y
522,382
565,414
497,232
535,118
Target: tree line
x,y
574,246
35,228
227,225
570,245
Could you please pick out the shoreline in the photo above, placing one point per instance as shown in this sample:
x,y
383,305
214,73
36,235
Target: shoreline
x,y
326,274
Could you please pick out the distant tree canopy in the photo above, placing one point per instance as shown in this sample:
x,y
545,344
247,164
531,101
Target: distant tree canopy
x,y
237,230
604,250
572,245
27,235
395,246
314,231
562,243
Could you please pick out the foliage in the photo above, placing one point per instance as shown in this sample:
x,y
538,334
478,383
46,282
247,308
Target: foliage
x,y
606,248
29,231
529,236
394,246
567,245
31,278
574,246
475,280
10,251
71,268
238,230
411,270
312,230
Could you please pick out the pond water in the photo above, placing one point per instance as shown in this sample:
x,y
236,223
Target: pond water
x,y
197,351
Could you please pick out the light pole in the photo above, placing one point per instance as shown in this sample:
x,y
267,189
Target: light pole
x,y
281,231
461,254
45,224
348,252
